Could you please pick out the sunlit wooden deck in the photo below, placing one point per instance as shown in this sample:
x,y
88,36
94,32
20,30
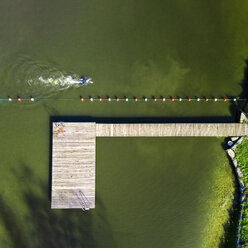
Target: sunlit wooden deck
x,y
73,152
171,129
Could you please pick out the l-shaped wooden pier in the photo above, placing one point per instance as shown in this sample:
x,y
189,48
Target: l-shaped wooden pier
x,y
73,152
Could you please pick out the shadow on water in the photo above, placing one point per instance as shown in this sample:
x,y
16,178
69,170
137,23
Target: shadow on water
x,y
44,227
198,119
236,108
229,239
50,160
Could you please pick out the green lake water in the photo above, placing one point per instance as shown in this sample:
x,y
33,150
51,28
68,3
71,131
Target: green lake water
x,y
150,192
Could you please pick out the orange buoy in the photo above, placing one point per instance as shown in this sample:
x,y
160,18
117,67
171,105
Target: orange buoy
x,y
206,99
117,99
155,99
172,99
19,99
82,99
225,99
189,99
135,99
100,99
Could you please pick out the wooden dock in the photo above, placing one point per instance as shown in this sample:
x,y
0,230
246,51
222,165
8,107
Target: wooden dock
x,y
171,129
73,152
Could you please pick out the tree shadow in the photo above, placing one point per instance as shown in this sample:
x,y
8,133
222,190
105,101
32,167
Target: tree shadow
x,y
229,239
46,227
237,107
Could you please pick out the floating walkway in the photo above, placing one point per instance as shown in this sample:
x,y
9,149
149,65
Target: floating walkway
x,y
171,130
73,152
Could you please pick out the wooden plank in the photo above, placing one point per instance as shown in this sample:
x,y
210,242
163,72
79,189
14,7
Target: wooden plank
x,y
171,129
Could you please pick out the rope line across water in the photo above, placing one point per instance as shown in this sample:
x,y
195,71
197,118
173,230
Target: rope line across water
x,y
126,99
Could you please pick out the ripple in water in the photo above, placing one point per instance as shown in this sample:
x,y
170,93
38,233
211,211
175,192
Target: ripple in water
x,y
32,78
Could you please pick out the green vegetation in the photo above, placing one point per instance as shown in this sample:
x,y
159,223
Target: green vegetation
x,y
242,158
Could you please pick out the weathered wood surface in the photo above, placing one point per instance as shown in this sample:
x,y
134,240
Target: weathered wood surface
x,y
171,129
73,152
73,165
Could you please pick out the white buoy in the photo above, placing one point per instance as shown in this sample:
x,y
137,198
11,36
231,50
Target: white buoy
x,y
234,99
91,99
198,99
180,99
215,99
145,99
126,99
163,99
31,99
10,99
109,99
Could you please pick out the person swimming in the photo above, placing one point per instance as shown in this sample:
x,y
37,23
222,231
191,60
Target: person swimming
x,y
85,80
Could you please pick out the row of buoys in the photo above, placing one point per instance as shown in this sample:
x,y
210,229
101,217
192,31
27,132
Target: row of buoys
x,y
126,99
18,99
160,99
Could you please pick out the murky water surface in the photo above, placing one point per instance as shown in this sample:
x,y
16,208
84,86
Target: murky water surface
x,y
149,192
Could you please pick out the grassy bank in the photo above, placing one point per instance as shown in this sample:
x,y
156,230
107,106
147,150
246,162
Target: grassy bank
x,y
242,158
